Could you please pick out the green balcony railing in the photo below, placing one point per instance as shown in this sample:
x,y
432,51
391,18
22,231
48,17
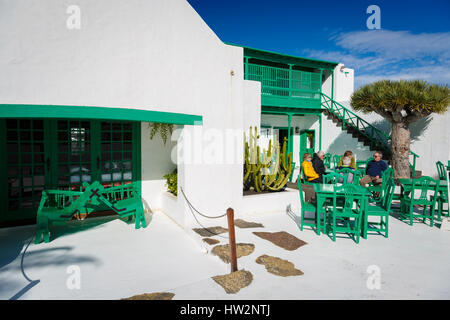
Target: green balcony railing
x,y
286,83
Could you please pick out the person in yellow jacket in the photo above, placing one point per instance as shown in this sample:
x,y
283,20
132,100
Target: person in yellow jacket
x,y
308,169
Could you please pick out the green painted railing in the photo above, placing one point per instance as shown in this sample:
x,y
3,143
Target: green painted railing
x,y
377,138
287,83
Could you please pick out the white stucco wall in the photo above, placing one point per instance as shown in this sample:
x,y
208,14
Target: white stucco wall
x,y
152,55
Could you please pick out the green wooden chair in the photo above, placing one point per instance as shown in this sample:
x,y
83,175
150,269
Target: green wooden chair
x,y
377,190
425,185
443,194
361,164
336,159
306,207
332,178
327,160
344,219
381,210
357,174
304,178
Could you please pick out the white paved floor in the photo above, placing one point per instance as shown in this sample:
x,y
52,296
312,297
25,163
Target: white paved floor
x,y
116,261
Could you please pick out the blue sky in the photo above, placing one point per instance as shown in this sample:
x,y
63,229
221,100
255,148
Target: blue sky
x,y
413,42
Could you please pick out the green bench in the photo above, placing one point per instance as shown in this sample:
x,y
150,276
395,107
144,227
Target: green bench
x,y
59,206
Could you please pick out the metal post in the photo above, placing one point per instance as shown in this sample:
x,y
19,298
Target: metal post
x,y
230,216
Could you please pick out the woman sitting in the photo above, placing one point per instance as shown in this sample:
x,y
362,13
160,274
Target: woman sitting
x,y
347,161
308,169
312,176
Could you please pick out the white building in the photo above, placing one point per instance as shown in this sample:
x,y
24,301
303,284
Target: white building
x,y
80,84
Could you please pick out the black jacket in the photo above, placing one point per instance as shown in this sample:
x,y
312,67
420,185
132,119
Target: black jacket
x,y
318,166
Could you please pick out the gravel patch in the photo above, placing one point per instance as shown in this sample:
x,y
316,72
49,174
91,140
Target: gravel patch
x,y
152,296
234,281
245,224
282,239
278,266
223,251
211,241
210,231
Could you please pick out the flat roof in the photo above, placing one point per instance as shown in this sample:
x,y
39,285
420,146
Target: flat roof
x,y
284,58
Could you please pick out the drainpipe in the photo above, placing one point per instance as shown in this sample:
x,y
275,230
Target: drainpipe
x,y
290,144
320,131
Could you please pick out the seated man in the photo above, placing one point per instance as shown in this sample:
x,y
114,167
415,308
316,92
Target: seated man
x,y
374,170
317,163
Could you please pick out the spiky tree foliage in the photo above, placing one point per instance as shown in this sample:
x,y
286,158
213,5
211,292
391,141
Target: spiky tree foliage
x,y
164,129
401,103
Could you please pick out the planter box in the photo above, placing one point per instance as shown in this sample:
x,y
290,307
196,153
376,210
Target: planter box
x,y
275,202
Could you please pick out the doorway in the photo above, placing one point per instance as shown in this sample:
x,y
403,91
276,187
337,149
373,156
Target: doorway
x,y
62,154
307,142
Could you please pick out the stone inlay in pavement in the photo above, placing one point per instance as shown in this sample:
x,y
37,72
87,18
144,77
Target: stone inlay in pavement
x,y
282,239
211,241
234,281
223,251
210,231
278,266
245,224
152,296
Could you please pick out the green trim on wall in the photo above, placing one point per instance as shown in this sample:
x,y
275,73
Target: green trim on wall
x,y
284,58
102,113
137,156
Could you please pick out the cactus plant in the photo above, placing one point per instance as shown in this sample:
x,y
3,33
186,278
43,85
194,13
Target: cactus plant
x,y
267,170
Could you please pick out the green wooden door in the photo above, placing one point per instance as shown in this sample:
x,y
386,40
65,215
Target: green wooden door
x,y
307,141
48,154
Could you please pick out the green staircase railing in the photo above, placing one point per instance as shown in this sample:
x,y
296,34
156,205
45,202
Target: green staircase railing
x,y
377,138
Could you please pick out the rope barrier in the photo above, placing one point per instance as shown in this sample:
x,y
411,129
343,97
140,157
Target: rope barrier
x,y
192,207
199,211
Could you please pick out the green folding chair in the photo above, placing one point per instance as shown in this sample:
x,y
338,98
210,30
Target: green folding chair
x,y
424,185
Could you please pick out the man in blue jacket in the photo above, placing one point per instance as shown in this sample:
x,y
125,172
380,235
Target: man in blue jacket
x,y
374,170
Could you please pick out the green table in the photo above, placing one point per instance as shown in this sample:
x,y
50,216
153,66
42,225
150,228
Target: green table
x,y
406,185
325,191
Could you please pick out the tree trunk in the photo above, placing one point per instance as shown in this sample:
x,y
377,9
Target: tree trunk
x,y
400,149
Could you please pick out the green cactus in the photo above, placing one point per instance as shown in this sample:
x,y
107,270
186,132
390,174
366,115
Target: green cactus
x,y
261,171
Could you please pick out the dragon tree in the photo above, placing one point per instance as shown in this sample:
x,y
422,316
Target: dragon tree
x,y
401,103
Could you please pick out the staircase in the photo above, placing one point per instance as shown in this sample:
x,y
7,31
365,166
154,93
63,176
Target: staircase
x,y
362,130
